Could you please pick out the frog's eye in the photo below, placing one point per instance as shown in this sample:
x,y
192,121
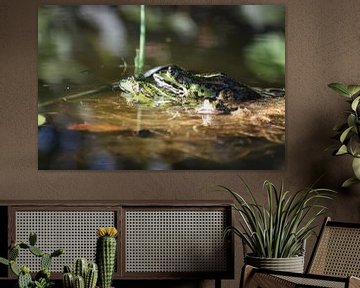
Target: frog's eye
x,y
171,71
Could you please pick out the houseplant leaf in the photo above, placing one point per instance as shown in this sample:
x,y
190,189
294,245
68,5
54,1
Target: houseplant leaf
x,y
342,150
340,88
353,89
349,182
345,134
355,103
356,167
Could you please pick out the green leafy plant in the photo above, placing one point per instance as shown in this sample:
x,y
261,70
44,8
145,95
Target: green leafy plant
x,y
349,132
42,278
279,229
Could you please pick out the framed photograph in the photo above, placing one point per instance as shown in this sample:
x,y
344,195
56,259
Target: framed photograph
x,y
147,87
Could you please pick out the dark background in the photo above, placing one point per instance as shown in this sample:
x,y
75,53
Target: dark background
x,y
322,46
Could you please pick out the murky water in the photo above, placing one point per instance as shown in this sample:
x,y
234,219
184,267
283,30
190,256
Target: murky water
x,y
104,132
101,131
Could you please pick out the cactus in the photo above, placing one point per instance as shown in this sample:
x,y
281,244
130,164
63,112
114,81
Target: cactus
x,y
91,276
24,279
45,261
14,268
43,274
106,254
68,280
36,251
32,238
57,253
88,273
4,261
13,253
80,267
79,282
42,278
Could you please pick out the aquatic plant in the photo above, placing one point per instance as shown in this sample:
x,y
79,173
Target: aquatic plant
x,y
349,132
140,53
42,278
106,254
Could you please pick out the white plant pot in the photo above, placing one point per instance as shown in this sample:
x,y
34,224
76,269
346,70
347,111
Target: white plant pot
x,y
291,264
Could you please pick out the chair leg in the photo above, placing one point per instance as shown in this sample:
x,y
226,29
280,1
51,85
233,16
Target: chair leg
x,y
246,273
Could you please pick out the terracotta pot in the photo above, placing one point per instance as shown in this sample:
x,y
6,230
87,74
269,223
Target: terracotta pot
x,y
291,264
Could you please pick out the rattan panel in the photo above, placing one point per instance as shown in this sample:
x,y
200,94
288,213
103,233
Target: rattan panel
x,y
75,231
338,253
312,282
175,241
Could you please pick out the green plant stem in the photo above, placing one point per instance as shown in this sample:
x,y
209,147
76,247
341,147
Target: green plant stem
x,y
140,53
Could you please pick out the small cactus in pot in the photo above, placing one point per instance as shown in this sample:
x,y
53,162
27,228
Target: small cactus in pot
x,y
106,254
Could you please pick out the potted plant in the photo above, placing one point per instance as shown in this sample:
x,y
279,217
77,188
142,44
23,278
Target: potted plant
x,y
276,233
349,132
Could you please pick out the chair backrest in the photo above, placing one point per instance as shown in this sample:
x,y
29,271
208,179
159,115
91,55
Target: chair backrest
x,y
337,251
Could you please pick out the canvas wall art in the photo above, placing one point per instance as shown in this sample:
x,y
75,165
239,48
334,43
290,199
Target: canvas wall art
x,y
146,87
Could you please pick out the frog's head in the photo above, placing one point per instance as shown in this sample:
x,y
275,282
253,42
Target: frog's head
x,y
173,75
129,85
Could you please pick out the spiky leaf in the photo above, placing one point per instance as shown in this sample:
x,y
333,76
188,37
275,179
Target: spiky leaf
x,y
24,280
36,251
57,252
14,268
24,245
4,261
45,261
32,238
13,253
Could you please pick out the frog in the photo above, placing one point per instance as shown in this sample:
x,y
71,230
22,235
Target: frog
x,y
173,85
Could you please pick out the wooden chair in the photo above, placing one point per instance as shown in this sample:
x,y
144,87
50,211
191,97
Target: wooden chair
x,y
334,263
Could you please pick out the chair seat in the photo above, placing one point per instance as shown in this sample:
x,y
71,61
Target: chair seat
x,y
267,279
315,282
